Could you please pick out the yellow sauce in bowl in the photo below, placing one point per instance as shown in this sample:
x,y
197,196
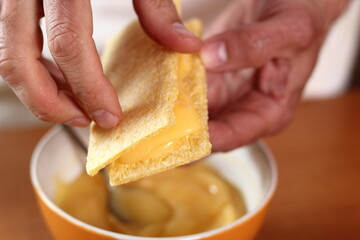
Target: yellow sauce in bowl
x,y
185,200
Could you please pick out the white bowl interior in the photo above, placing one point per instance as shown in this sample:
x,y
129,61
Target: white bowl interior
x,y
251,169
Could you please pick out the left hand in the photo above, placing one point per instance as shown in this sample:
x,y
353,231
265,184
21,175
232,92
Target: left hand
x,y
258,61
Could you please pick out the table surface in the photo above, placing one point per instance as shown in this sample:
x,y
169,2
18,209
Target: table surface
x,y
318,196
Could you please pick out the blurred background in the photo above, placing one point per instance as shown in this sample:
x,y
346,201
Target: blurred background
x,y
338,68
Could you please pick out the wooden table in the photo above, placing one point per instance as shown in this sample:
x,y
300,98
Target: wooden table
x,y
318,195
318,156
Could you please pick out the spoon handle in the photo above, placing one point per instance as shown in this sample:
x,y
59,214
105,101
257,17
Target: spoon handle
x,y
74,136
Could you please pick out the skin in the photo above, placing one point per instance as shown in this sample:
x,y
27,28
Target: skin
x,y
258,55
271,47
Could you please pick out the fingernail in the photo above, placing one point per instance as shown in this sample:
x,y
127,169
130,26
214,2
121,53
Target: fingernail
x,y
105,119
78,122
182,31
214,54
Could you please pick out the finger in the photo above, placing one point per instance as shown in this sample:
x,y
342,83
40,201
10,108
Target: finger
x,y
69,29
162,23
254,45
20,51
226,88
273,76
55,73
255,116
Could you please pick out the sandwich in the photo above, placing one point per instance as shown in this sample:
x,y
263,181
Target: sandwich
x,y
163,98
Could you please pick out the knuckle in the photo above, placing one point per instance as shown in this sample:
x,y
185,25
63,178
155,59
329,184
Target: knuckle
x,y
85,95
254,41
64,41
10,64
42,103
158,4
10,60
43,111
44,116
255,45
304,27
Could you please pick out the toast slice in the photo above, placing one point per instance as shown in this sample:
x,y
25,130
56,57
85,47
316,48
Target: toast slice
x,y
163,98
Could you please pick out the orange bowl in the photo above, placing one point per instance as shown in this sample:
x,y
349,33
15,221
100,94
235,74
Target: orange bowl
x,y
251,169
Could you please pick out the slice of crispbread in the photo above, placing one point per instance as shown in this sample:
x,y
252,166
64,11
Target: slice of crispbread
x,y
144,75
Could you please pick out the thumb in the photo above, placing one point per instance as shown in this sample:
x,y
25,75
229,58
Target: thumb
x,y
161,22
255,44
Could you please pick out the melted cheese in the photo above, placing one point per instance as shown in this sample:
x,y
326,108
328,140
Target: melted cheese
x,y
187,122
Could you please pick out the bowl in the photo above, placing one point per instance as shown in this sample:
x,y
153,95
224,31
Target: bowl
x,y
251,169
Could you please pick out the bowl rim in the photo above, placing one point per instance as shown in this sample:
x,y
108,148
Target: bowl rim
x,y
50,204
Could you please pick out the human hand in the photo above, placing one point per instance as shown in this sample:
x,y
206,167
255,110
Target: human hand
x,y
74,90
258,60
255,81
